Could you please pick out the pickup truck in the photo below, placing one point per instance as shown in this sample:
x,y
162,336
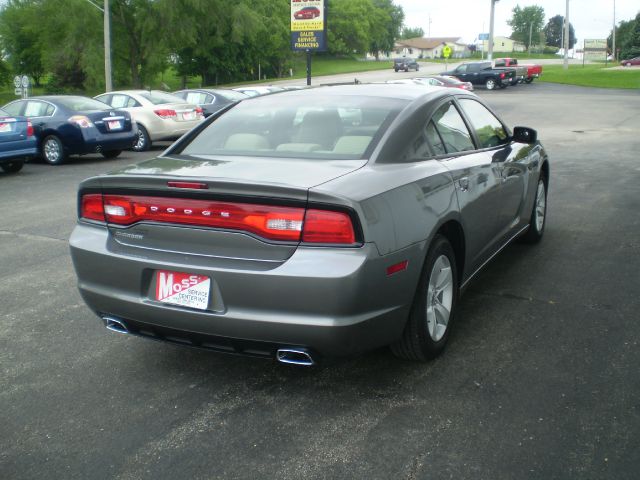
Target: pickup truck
x,y
533,71
482,73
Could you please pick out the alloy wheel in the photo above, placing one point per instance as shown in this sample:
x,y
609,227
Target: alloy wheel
x,y
439,298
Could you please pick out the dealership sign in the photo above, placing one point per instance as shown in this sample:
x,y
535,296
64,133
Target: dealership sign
x,y
308,25
595,49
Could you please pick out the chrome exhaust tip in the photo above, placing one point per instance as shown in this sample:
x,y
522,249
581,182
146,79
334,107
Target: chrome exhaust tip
x,y
115,325
295,356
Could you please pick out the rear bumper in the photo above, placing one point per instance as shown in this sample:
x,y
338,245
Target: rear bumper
x,y
167,129
95,142
331,301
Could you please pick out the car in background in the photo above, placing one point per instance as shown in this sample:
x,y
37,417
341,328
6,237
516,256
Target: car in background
x,y
531,70
405,64
319,222
210,100
74,125
259,90
630,61
158,115
307,13
17,142
483,73
444,81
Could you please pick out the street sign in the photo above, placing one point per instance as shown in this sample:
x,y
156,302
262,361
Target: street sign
x,y
483,36
25,81
446,51
17,81
18,91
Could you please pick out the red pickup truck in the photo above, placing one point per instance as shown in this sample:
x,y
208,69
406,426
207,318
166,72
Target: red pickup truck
x,y
533,71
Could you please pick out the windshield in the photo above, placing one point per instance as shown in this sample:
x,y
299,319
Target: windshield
x,y
160,98
82,104
311,126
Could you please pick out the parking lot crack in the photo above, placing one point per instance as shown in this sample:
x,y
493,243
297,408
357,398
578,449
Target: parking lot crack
x,y
30,236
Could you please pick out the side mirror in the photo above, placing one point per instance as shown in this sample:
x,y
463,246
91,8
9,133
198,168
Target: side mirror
x,y
524,135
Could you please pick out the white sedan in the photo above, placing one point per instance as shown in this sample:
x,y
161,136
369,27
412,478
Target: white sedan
x,y
159,115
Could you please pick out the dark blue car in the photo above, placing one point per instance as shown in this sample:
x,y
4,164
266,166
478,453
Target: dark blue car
x,y
17,142
67,125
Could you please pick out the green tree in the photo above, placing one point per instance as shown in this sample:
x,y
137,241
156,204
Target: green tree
x,y
408,32
526,23
627,38
20,37
553,32
386,21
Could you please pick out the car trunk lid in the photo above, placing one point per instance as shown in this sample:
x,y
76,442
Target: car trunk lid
x,y
12,129
218,211
110,121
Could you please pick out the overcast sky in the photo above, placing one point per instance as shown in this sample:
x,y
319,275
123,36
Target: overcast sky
x,y
468,18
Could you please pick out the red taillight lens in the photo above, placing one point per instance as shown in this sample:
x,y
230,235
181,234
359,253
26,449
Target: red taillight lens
x,y
273,223
502,75
29,129
269,222
199,111
91,207
165,113
321,226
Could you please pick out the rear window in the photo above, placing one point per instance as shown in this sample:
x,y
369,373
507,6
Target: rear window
x,y
309,127
160,98
82,104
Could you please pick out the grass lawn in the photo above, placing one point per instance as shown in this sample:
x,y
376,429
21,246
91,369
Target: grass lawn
x,y
594,75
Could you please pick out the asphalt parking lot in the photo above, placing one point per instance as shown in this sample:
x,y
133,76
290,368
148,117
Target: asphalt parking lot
x,y
540,380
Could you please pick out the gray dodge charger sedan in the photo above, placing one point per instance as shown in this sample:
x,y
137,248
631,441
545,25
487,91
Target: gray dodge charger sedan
x,y
310,223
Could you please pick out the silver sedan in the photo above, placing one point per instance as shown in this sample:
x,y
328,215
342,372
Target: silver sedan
x,y
317,222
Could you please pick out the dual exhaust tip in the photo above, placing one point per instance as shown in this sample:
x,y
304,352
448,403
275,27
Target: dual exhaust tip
x,y
291,356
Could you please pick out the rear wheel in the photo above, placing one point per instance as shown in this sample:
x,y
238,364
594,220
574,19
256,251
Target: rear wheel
x,y
490,84
13,166
53,150
528,80
143,142
429,324
538,215
111,153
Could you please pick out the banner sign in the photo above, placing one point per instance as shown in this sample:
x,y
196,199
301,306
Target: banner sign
x,y
595,49
308,25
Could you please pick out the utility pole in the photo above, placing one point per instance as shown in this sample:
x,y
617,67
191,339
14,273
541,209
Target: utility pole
x,y
613,35
565,64
530,31
429,28
493,6
107,48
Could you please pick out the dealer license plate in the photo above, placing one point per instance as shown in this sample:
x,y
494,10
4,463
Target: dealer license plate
x,y
5,127
189,115
184,289
114,124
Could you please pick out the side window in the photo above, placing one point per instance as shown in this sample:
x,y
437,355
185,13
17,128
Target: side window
x,y
119,101
13,108
489,130
35,109
433,137
461,69
104,99
49,111
132,102
452,129
210,99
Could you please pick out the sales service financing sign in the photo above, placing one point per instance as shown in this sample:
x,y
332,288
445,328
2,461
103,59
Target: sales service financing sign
x,y
308,25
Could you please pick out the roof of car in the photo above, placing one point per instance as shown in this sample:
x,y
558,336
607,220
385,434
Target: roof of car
x,y
386,90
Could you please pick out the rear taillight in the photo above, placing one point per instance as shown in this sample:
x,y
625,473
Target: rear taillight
x,y
81,121
165,113
323,226
199,111
502,75
91,207
29,128
270,222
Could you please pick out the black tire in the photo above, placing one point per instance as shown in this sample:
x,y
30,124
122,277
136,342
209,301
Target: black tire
x,y
396,70
13,166
528,80
504,85
53,151
490,84
417,341
111,153
417,68
538,218
406,69
143,142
